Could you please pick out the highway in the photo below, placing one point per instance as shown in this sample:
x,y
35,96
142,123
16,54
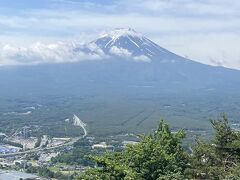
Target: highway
x,y
69,143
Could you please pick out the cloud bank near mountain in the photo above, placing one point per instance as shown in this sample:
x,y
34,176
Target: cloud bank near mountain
x,y
40,53
68,52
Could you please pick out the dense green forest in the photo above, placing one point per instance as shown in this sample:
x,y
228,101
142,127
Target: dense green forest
x,y
120,114
161,155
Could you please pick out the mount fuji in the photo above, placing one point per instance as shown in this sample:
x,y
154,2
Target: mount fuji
x,y
131,58
126,59
129,44
130,84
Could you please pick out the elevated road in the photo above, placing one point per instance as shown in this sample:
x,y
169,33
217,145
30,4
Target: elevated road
x,y
69,143
77,122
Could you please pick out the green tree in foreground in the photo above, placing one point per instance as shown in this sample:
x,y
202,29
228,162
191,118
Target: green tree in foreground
x,y
219,158
161,156
157,156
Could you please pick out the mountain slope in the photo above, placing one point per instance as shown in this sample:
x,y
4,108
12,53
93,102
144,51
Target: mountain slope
x,y
128,44
130,40
128,59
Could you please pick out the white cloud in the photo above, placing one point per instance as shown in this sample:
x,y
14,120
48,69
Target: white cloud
x,y
120,52
94,48
207,48
40,53
142,58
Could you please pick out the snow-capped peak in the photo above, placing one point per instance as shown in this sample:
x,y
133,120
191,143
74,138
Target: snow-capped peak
x,y
126,43
120,32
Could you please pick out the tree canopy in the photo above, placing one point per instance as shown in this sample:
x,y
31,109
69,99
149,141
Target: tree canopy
x,y
220,157
157,156
160,156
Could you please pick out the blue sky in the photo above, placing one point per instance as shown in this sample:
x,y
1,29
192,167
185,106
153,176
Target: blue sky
x,y
205,30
